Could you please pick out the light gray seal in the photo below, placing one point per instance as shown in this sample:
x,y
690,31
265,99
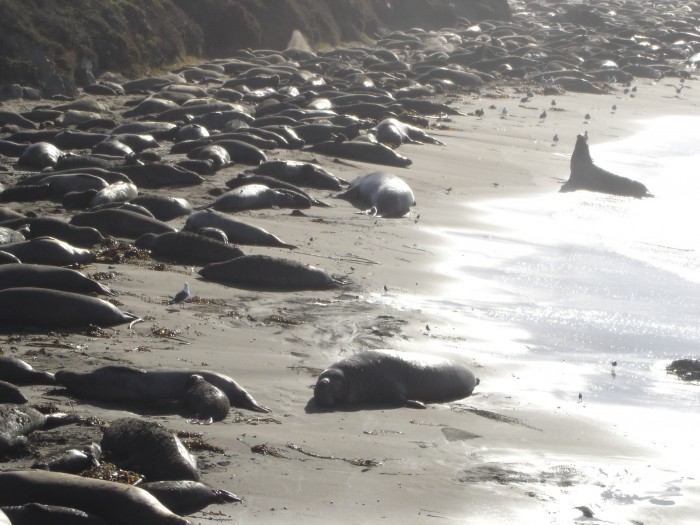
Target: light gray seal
x,y
17,422
258,197
148,448
116,503
299,173
388,377
42,308
587,176
381,194
393,133
262,272
52,277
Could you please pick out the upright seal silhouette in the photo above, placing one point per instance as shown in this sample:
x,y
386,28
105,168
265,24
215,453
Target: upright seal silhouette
x,y
587,176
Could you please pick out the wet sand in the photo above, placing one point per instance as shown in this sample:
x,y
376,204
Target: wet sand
x,y
491,458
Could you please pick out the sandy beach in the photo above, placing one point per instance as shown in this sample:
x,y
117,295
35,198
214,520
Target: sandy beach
x,y
499,456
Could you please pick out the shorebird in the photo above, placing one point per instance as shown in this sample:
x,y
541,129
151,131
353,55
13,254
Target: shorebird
x,y
182,295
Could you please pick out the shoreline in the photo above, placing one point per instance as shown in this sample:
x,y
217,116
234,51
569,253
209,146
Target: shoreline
x,y
511,461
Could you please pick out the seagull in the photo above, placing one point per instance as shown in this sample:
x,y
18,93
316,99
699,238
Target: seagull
x,y
182,295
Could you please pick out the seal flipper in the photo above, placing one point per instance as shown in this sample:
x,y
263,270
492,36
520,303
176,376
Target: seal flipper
x,y
414,403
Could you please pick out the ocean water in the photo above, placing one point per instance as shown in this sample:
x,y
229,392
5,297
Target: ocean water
x,y
557,287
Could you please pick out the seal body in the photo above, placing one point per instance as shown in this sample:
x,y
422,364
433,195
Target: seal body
x,y
265,272
33,513
380,193
587,176
393,378
187,497
259,196
150,449
40,307
46,276
49,251
117,503
17,422
159,387
237,232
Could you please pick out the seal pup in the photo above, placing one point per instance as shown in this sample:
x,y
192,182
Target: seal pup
x,y
388,377
72,460
17,422
587,176
187,248
148,448
380,194
117,503
187,497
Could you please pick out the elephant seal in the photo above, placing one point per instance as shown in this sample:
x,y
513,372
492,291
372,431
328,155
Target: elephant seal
x,y
21,373
8,236
186,248
393,378
42,308
121,223
363,152
259,196
271,182
9,393
47,250
157,175
72,460
117,192
17,422
52,227
159,387
381,194
262,272
300,174
148,448
187,497
163,207
393,133
237,232
4,520
33,513
587,176
8,258
205,401
52,277
40,155
116,503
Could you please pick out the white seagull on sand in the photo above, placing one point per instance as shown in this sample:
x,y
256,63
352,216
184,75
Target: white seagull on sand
x,y
182,295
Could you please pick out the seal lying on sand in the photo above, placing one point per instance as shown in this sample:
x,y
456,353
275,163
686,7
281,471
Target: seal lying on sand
x,y
21,373
393,378
187,497
33,513
116,503
40,307
148,448
16,422
265,272
52,277
381,194
587,176
159,387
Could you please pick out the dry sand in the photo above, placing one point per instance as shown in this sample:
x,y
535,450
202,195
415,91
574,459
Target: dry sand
x,y
487,459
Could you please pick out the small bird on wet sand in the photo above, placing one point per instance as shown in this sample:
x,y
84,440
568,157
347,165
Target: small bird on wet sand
x,y
182,295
